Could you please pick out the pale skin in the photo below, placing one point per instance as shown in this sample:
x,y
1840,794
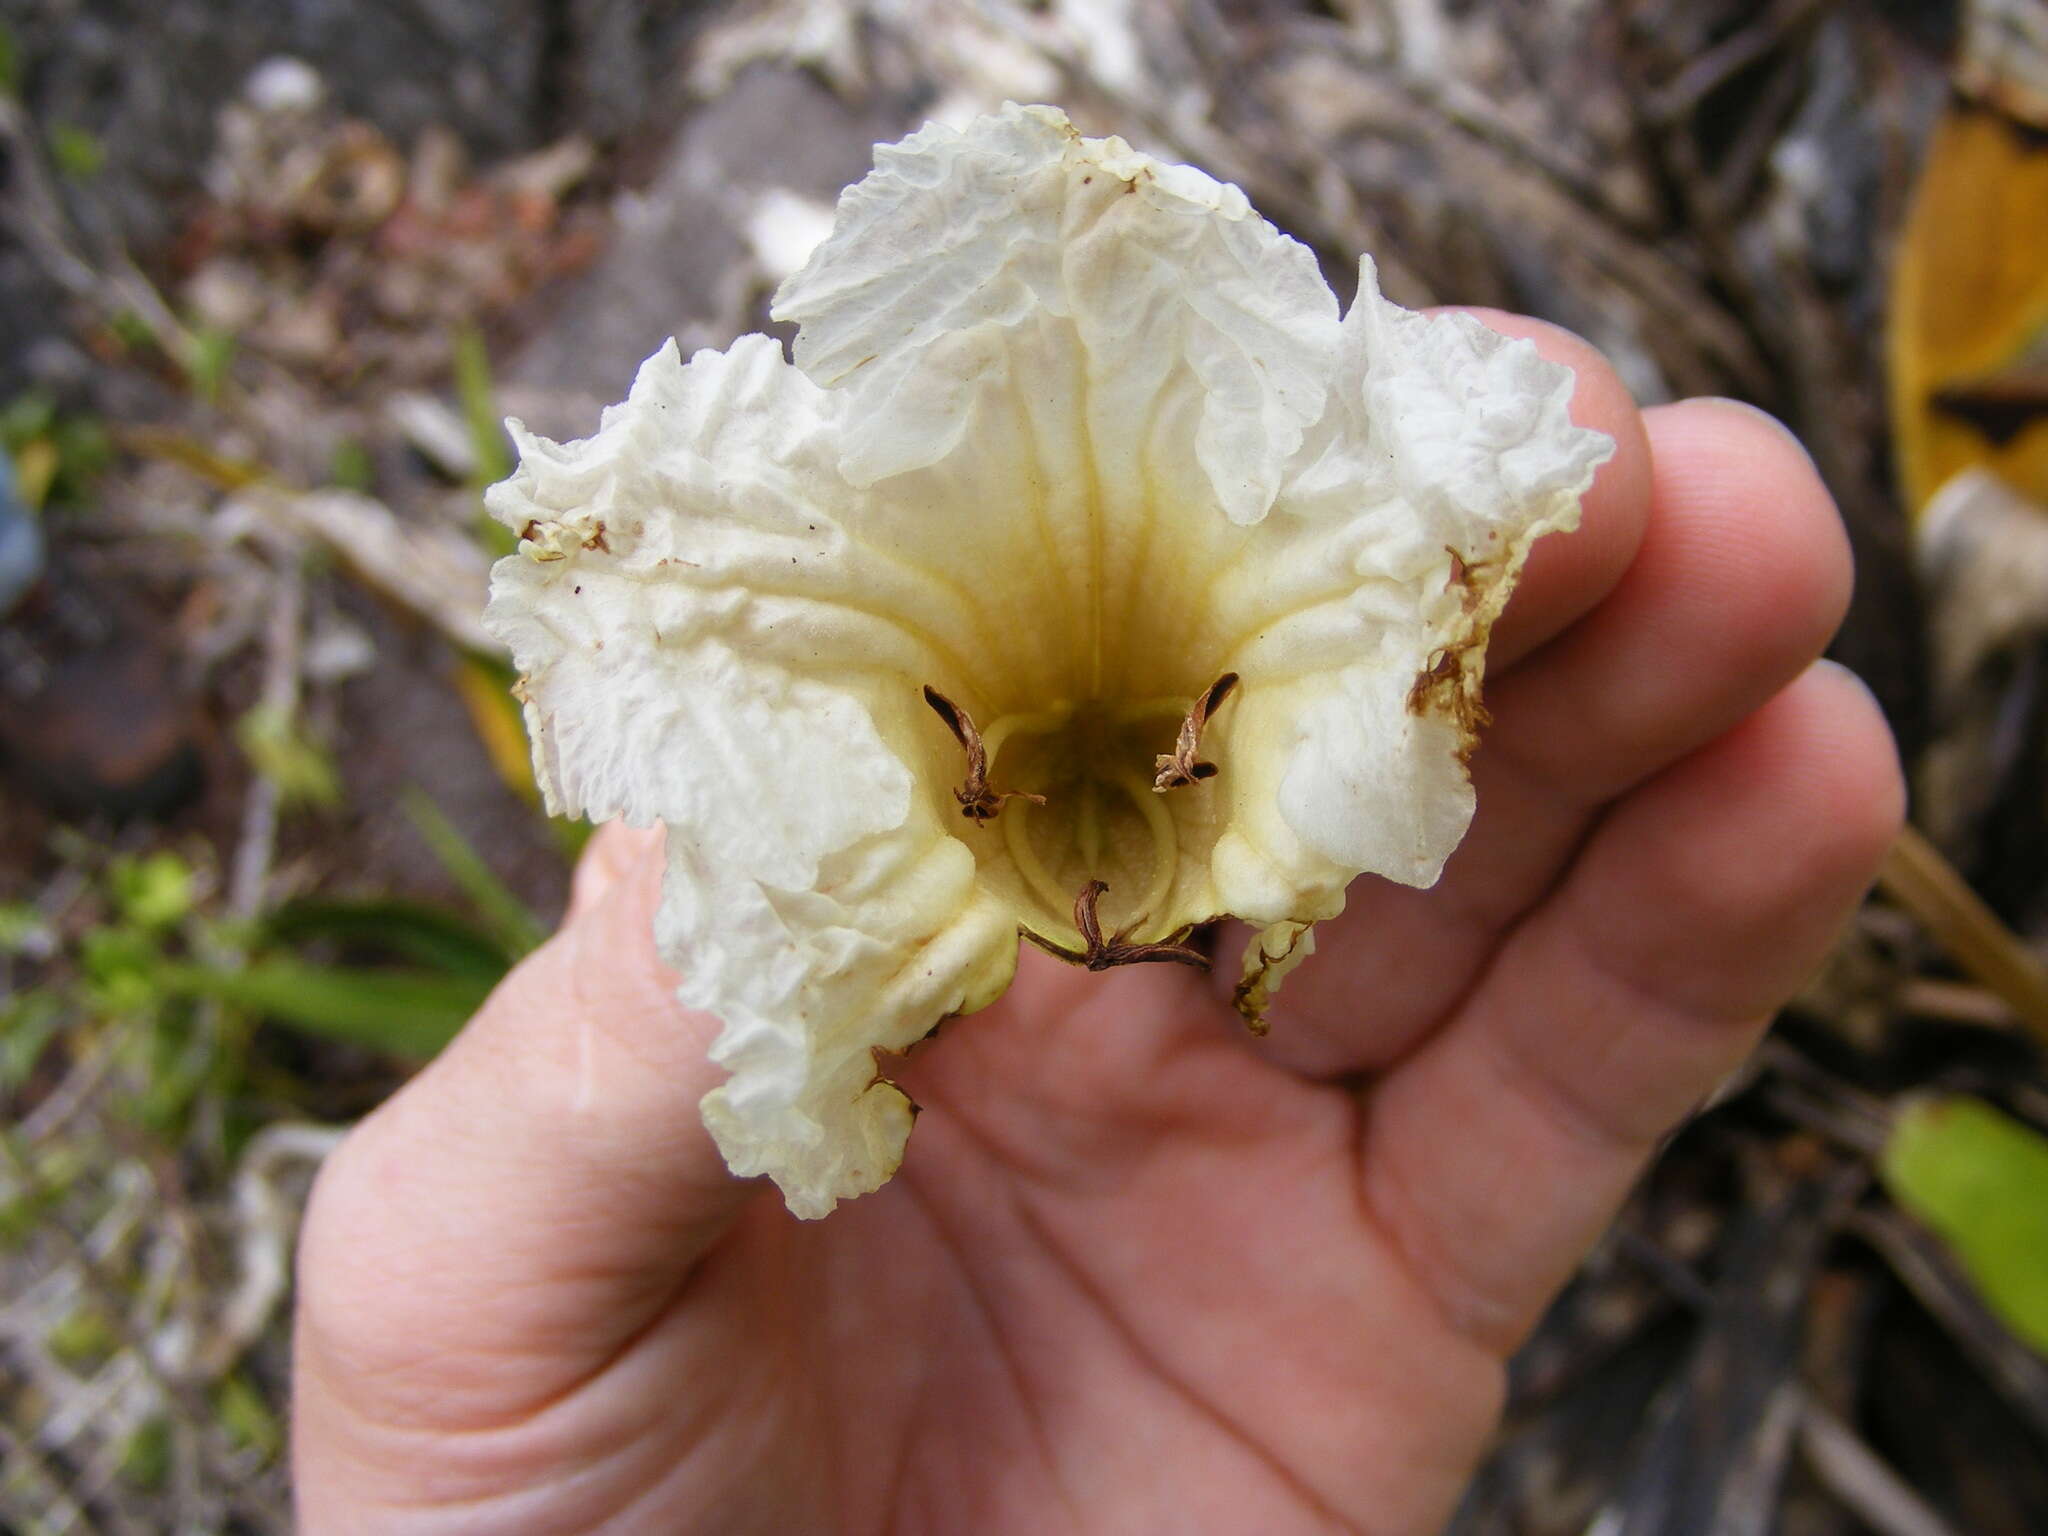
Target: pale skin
x,y
1140,1273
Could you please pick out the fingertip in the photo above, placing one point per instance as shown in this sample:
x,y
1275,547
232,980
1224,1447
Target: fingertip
x,y
1746,416
1813,777
1721,883
1831,732
614,852
1567,576
1735,482
1742,578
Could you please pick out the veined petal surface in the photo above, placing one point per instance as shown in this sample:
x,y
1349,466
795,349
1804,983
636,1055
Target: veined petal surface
x,y
965,252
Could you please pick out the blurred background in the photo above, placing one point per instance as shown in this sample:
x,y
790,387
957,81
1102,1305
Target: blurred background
x,y
271,274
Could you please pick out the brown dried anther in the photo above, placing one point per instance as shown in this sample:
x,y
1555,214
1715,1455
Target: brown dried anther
x,y
1100,954
978,802
1181,766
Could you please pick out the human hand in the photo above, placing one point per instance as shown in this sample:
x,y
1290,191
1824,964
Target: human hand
x,y
1139,1272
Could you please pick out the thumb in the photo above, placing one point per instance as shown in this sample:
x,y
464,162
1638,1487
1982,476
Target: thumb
x,y
508,1220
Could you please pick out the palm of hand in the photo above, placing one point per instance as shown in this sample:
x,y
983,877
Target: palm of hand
x,y
1135,1274
1128,1275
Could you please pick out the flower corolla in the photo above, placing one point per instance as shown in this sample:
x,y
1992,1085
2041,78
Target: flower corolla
x,y
1086,576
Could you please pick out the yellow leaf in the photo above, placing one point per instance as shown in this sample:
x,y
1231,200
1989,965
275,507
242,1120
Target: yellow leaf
x,y
495,716
1969,309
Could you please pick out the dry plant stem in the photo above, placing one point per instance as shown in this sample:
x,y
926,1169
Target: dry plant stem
x,y
1725,59
978,802
430,571
1493,154
1940,1286
111,286
72,1094
1955,1002
1918,878
113,1300
1451,104
1860,1479
281,697
1821,1102
268,1218
1100,954
25,1476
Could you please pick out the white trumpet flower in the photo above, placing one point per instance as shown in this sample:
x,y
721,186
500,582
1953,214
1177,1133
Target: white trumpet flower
x,y
1086,576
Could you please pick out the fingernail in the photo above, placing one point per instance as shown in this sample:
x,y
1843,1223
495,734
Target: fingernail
x,y
1827,666
1758,413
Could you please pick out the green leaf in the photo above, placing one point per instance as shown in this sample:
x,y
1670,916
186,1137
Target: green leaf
x,y
408,1013
506,915
352,468
85,450
24,931
473,387
208,359
304,774
22,1217
28,416
120,967
79,156
85,1339
10,62
46,1174
131,330
29,1021
1979,1179
146,1459
391,928
152,893
247,1418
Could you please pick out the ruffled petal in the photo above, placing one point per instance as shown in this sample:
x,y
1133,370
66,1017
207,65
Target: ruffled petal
x,y
891,938
705,641
700,626
1170,305
1365,607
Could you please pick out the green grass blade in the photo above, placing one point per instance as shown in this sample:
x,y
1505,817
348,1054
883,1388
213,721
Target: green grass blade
x,y
407,1013
509,918
389,928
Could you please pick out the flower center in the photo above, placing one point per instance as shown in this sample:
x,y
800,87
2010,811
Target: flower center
x,y
1094,801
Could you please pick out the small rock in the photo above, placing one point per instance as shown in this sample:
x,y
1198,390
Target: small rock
x,y
106,734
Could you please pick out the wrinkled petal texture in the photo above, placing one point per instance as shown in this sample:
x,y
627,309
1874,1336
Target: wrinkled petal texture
x,y
1067,430
707,654
1449,452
